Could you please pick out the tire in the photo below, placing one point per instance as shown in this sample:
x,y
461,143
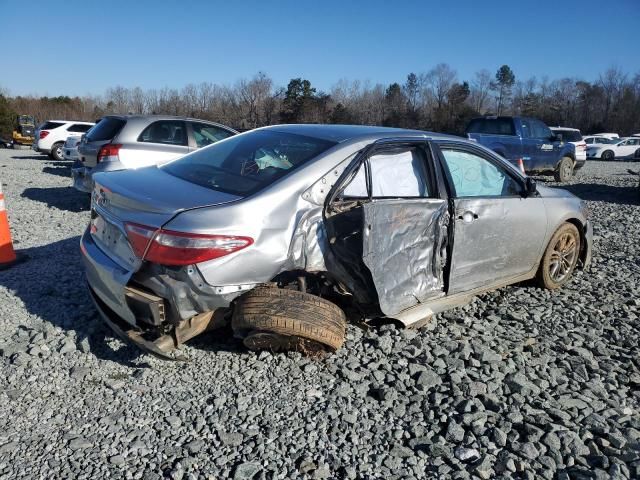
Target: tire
x,y
636,155
551,274
270,318
564,170
56,151
608,155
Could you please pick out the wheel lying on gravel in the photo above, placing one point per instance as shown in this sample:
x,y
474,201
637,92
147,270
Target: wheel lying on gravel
x,y
564,170
270,318
560,257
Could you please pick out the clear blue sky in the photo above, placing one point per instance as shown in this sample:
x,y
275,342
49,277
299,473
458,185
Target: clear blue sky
x,y
83,47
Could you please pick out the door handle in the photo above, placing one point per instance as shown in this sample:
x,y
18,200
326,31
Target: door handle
x,y
468,216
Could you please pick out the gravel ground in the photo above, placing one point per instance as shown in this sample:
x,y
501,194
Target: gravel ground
x,y
521,383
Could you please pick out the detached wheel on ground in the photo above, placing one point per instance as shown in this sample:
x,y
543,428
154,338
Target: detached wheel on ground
x,y
564,170
560,257
608,155
56,152
270,318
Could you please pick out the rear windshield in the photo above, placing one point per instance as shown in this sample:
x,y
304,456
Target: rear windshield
x,y
492,126
105,129
245,164
50,125
569,135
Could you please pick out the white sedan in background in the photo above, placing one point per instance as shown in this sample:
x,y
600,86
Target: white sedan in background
x,y
623,148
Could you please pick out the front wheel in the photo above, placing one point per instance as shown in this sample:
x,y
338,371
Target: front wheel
x,y
608,155
560,257
564,170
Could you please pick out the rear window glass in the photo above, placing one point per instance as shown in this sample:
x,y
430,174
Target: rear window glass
x,y
492,126
568,135
79,127
50,125
105,129
245,164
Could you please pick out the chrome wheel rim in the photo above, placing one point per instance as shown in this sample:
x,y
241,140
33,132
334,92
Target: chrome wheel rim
x,y
563,257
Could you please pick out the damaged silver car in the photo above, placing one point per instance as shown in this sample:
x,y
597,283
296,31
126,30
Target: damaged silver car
x,y
280,231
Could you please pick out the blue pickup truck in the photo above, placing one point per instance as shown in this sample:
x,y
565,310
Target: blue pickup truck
x,y
528,143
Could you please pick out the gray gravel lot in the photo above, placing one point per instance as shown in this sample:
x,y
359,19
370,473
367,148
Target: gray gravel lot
x,y
521,383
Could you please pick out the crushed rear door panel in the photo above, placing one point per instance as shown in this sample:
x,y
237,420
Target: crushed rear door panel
x,y
404,247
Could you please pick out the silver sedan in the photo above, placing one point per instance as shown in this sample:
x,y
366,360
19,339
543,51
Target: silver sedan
x,y
282,230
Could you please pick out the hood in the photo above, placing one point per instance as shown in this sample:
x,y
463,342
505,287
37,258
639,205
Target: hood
x,y
150,195
553,192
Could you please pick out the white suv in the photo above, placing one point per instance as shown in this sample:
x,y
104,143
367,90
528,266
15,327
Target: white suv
x,y
51,135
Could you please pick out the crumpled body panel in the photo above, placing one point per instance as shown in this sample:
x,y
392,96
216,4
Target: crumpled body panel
x,y
404,247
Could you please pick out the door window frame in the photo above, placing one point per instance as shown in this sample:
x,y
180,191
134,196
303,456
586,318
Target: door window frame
x,y
436,184
508,169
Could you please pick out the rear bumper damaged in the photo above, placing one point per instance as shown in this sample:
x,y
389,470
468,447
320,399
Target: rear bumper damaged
x,y
157,308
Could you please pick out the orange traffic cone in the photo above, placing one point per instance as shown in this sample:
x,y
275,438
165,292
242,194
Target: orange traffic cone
x,y
8,256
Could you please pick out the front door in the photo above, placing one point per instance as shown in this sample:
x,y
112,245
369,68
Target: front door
x,y
547,148
387,224
499,233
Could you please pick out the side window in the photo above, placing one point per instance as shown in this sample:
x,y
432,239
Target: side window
x,y
589,141
474,176
540,130
526,128
395,174
170,132
634,141
79,127
207,134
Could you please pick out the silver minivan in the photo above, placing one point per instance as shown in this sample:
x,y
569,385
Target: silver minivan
x,y
122,142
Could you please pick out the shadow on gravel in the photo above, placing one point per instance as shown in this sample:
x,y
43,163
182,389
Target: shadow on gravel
x,y
51,285
61,171
63,198
627,195
31,157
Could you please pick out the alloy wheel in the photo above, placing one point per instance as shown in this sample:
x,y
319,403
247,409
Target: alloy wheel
x,y
563,257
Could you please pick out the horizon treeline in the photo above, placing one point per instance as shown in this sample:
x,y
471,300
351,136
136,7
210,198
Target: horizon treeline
x,y
436,100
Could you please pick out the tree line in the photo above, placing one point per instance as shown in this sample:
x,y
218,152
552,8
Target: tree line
x,y
436,100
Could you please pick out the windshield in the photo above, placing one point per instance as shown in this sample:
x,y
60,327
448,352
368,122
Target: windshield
x,y
245,164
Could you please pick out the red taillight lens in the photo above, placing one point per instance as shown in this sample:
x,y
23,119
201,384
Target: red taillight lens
x,y
167,247
109,152
139,237
44,133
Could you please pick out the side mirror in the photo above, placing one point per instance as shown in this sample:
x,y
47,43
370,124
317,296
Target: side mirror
x,y
530,187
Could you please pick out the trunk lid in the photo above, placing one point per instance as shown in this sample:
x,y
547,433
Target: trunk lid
x,y
148,196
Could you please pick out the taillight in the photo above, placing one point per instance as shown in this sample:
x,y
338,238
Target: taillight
x,y
109,153
167,247
44,133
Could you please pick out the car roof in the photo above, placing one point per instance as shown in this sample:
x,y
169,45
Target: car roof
x,y
158,117
72,121
565,128
148,118
342,133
